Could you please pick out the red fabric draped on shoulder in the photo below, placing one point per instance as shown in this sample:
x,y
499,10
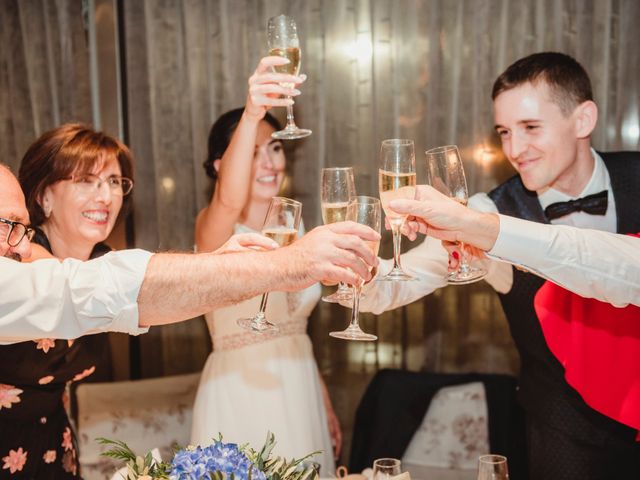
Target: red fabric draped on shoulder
x,y
599,347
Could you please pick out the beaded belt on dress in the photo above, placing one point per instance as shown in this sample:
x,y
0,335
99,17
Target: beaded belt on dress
x,y
242,339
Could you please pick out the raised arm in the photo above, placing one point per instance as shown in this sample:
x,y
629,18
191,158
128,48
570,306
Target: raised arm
x,y
214,224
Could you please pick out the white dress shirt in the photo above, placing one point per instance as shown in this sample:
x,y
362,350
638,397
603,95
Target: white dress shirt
x,y
429,260
53,299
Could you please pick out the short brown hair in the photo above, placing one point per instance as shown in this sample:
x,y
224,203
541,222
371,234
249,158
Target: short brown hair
x,y
568,82
65,151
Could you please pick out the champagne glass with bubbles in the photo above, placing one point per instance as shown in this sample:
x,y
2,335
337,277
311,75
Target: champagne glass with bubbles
x,y
397,179
446,174
281,225
493,467
364,210
283,41
337,188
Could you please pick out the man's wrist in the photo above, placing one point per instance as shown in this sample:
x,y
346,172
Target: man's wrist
x,y
482,230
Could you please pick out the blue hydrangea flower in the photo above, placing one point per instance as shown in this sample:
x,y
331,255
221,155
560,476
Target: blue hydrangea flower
x,y
226,458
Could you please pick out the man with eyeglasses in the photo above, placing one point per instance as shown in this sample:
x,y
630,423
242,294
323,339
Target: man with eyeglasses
x,y
130,290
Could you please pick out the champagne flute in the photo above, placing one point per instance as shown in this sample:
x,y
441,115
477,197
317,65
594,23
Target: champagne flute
x,y
493,467
397,179
385,468
446,174
283,41
365,210
281,224
337,189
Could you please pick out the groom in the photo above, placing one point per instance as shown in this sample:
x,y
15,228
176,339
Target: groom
x,y
544,114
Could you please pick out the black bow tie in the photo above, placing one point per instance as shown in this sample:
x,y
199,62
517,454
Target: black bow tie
x,y
595,204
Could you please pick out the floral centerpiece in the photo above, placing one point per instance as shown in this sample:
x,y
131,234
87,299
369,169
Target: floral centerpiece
x,y
218,461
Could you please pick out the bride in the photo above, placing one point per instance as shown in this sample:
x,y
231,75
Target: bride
x,y
256,382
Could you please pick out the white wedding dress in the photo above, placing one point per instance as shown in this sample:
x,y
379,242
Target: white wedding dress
x,y
254,383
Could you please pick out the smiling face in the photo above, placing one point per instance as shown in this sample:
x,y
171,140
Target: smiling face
x,y
545,146
82,218
12,207
268,165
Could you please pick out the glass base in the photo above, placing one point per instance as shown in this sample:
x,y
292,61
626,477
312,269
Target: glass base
x,y
291,133
353,333
396,275
465,276
340,295
257,324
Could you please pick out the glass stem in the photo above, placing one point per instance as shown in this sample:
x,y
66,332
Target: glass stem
x,y
263,305
355,309
290,123
397,238
464,260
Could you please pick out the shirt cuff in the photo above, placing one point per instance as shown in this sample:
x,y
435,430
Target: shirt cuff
x,y
519,241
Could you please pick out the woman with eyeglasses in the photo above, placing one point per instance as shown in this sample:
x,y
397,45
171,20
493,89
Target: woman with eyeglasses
x,y
76,182
252,382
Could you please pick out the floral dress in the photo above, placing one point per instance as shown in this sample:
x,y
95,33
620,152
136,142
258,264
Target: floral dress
x,y
36,438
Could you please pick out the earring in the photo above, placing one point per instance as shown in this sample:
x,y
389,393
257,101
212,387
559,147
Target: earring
x,y
47,211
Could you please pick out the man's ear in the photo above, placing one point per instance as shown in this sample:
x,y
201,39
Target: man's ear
x,y
216,165
586,117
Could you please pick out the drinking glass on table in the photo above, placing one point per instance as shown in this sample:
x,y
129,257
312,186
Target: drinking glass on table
x,y
445,173
281,224
385,468
365,210
337,188
282,36
493,467
397,179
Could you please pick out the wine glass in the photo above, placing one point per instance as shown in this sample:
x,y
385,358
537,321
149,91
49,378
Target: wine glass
x,y
283,41
397,179
365,210
385,468
493,467
446,174
281,224
337,188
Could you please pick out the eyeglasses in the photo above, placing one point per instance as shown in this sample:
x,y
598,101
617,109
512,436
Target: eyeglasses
x,y
89,184
16,231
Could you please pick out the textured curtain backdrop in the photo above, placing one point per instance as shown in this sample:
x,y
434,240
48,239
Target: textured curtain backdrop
x,y
44,71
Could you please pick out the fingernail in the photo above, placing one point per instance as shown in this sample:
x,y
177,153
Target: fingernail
x,y
290,101
303,77
295,92
455,255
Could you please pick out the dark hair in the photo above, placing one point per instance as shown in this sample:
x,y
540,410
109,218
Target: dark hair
x,y
64,151
221,133
568,82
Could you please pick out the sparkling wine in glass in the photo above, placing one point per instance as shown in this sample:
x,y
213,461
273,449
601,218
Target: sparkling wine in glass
x,y
283,41
281,225
337,188
397,179
446,174
385,468
493,467
364,210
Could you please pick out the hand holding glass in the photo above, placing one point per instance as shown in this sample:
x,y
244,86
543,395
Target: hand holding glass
x,y
283,41
364,210
281,225
397,179
337,188
445,173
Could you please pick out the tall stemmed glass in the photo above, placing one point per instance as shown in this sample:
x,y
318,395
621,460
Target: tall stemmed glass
x,y
281,224
283,40
365,210
446,174
397,179
493,467
337,189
